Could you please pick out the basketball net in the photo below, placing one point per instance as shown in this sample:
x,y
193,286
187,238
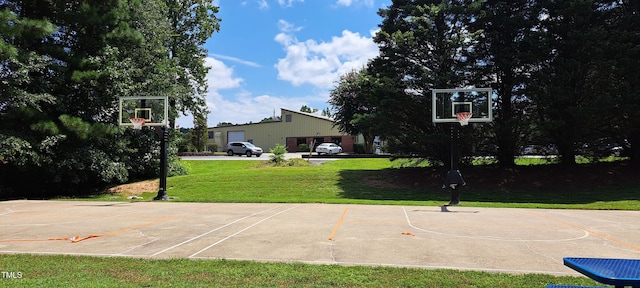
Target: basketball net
x,y
463,117
137,123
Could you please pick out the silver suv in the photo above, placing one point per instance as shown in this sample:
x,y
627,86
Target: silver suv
x,y
243,148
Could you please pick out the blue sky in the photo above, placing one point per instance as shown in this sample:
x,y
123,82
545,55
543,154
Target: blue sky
x,y
272,54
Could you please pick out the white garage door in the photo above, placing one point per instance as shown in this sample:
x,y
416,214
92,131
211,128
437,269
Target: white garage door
x,y
235,136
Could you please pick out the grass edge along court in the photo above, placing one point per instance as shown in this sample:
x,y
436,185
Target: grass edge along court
x,y
373,181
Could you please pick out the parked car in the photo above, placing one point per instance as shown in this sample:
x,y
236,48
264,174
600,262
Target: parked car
x,y
243,148
328,148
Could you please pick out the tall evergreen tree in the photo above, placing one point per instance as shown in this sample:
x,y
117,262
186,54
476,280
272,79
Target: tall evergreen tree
x,y
100,50
423,45
623,34
504,54
568,88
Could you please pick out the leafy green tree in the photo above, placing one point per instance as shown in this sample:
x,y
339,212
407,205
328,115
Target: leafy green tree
x,y
98,51
623,43
423,45
18,62
568,88
192,22
504,54
20,90
353,112
199,133
308,109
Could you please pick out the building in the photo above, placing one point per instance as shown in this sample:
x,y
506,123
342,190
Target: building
x,y
292,129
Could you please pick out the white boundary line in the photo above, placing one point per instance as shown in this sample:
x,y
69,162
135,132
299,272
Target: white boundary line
x,y
216,229
245,229
585,235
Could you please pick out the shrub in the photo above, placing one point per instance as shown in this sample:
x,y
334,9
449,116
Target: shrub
x,y
278,154
303,147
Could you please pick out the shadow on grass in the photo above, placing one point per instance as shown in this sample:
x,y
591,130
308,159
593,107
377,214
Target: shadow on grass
x,y
549,184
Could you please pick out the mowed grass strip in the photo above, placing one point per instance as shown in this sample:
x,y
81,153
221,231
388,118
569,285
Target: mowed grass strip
x,y
363,181
78,271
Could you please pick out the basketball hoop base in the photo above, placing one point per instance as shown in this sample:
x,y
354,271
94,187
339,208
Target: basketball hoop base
x,y
162,195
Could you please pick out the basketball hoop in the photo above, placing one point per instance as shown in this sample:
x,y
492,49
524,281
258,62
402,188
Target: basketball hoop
x,y
463,117
137,123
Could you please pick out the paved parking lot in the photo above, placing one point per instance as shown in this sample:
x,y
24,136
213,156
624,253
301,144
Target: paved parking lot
x,y
467,238
264,156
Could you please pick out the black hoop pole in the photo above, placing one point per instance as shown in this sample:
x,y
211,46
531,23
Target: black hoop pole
x,y
455,137
454,180
164,139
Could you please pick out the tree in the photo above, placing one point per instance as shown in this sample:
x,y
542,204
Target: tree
x,y
100,50
18,66
307,109
624,47
568,88
18,62
326,112
199,134
353,113
192,22
423,45
505,52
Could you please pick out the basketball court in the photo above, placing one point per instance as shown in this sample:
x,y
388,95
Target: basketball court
x,y
454,237
466,238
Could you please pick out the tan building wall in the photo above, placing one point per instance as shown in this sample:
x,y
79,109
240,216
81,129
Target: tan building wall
x,y
289,131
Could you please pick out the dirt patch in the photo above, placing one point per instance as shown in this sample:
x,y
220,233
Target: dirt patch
x,y
135,189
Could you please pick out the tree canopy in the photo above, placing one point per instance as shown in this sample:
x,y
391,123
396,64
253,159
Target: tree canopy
x,y
64,66
560,72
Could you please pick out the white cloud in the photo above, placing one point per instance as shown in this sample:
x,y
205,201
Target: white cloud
x,y
234,59
262,4
220,76
345,2
350,2
288,3
245,107
321,64
228,102
287,27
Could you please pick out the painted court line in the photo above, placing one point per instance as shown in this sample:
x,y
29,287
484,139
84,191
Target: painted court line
x,y
214,230
245,229
78,238
335,229
406,215
594,233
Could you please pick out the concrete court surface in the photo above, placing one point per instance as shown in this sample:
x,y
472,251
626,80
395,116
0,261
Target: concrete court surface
x,y
466,238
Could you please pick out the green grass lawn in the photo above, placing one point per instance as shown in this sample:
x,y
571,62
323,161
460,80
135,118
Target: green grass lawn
x,y
355,181
76,271
360,181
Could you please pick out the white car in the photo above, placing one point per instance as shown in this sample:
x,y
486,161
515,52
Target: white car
x,y
328,148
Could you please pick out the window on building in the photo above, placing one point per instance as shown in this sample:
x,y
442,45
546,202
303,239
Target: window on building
x,y
211,134
287,118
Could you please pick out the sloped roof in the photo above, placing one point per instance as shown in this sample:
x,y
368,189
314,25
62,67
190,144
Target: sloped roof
x,y
307,114
282,112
